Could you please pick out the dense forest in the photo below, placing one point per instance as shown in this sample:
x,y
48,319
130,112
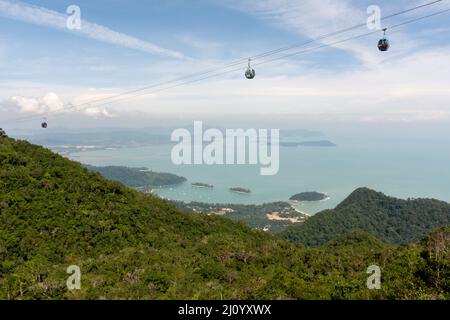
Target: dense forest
x,y
392,220
138,177
308,196
55,213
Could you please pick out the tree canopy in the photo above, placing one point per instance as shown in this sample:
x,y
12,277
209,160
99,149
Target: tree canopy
x,y
54,213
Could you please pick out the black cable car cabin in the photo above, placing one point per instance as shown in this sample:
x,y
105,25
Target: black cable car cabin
x,y
250,73
383,44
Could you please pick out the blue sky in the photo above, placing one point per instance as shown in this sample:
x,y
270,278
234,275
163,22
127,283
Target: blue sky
x,y
44,67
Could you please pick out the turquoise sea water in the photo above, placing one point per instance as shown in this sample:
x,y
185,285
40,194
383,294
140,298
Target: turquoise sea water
x,y
402,167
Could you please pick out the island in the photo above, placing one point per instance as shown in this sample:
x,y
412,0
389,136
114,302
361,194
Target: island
x,y
320,143
202,185
141,178
240,190
309,196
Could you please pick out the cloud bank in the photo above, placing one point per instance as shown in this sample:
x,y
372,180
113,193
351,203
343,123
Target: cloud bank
x,y
52,104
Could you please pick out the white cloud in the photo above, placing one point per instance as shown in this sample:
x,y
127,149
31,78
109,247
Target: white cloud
x,y
51,104
97,112
48,103
412,88
41,16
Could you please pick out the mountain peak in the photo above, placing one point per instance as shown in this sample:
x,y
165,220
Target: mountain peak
x,y
362,195
364,191
392,220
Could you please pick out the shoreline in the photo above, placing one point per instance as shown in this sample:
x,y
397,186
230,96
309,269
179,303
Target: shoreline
x,y
298,210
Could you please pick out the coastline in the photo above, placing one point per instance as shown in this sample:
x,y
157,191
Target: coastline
x,y
293,202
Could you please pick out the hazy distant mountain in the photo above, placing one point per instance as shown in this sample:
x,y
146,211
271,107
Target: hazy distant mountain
x,y
116,137
125,137
300,133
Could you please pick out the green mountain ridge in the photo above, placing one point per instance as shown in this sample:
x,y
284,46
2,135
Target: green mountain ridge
x,y
54,213
391,220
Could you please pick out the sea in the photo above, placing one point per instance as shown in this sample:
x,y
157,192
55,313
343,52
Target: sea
x,y
400,165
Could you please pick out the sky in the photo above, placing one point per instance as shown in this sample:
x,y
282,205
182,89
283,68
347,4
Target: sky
x,y
48,70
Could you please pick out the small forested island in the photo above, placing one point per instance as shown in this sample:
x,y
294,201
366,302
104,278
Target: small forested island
x,y
138,177
309,196
202,185
321,143
240,190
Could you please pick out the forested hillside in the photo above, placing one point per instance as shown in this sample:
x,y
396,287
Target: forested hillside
x,y
137,177
54,213
389,219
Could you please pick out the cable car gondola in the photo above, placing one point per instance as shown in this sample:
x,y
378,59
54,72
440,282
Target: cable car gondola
x,y
44,124
383,44
250,73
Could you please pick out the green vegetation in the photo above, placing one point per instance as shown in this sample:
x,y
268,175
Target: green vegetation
x,y
138,177
309,196
254,216
389,219
54,213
